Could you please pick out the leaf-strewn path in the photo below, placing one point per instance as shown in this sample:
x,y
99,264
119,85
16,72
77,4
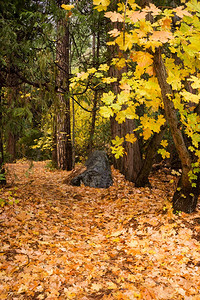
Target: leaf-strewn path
x,y
64,242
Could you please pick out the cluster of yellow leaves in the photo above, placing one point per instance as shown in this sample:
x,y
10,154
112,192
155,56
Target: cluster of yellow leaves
x,y
164,153
151,125
101,5
183,42
64,242
67,6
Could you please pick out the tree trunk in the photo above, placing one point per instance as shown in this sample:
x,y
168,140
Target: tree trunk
x,y
185,197
142,178
63,138
11,146
95,52
2,170
11,135
130,164
92,127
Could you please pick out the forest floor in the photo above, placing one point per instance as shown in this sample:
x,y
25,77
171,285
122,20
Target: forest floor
x,y
65,242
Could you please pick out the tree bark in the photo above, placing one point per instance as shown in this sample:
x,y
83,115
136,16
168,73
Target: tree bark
x,y
95,52
130,164
143,176
63,126
185,197
2,170
11,135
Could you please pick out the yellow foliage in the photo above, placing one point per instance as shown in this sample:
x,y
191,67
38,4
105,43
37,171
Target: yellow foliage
x,y
114,16
164,143
103,67
67,7
106,112
147,133
130,137
189,97
101,4
126,40
115,32
108,98
143,59
161,36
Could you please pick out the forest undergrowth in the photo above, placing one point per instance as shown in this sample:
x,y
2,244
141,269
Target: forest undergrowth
x,y
64,242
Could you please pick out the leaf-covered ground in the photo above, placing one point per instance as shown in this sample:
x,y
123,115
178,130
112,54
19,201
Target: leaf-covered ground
x,y
64,242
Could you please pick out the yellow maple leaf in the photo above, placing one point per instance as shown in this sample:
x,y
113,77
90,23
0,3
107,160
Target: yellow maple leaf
x,y
125,86
118,141
115,32
126,40
181,12
67,7
114,16
106,112
82,75
104,67
164,153
108,98
130,137
147,133
164,143
196,82
136,15
121,63
91,70
122,97
143,59
162,36
166,23
152,9
108,80
189,97
101,4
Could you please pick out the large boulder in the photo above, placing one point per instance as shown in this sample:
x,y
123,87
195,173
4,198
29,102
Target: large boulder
x,y
98,172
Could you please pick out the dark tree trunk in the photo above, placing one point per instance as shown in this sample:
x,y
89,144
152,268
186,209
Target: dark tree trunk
x,y
2,170
63,138
95,51
143,176
185,197
54,151
12,137
130,164
92,128
11,146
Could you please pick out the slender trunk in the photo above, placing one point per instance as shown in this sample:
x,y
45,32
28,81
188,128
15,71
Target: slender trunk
x,y
185,197
11,146
2,170
63,139
95,51
11,135
92,128
73,134
54,151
